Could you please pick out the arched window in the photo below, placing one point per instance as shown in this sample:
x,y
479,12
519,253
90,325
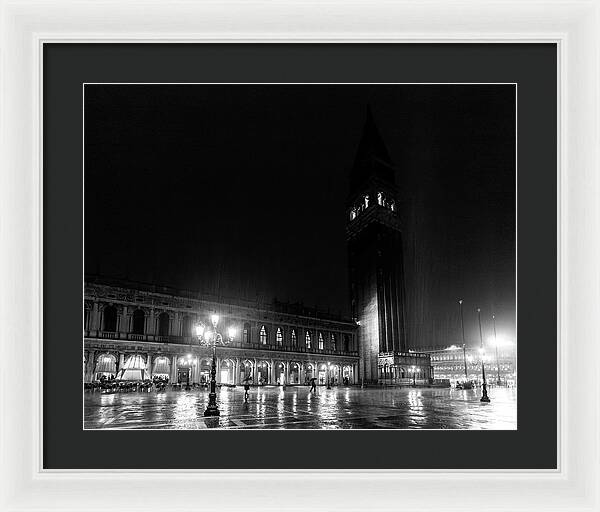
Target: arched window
x,y
139,319
308,339
263,335
163,324
279,336
366,201
294,338
321,344
332,341
109,319
380,198
246,333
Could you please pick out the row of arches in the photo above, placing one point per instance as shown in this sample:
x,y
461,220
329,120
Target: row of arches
x,y
189,369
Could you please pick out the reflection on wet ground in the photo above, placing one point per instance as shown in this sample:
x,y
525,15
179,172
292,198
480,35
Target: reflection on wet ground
x,y
296,408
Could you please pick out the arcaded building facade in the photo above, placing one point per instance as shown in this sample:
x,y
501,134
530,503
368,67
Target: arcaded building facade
x,y
151,331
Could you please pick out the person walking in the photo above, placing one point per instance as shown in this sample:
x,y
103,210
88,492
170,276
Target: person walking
x,y
313,385
247,388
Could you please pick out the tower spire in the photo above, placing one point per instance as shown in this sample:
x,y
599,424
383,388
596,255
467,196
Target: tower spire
x,y
372,157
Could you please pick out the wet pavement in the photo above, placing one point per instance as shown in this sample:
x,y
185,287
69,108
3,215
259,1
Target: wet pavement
x,y
297,408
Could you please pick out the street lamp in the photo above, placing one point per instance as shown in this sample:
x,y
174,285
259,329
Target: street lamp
x,y
484,396
328,375
211,339
413,369
499,382
462,326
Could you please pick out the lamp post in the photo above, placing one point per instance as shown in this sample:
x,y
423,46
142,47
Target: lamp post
x,y
212,339
328,375
462,326
499,382
414,376
484,396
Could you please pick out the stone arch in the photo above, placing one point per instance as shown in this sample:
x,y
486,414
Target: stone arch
x,y
106,366
226,371
246,370
294,372
279,372
263,372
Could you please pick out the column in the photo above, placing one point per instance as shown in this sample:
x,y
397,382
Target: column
x,y
286,366
149,364
121,360
173,369
151,323
174,324
236,371
95,318
123,320
91,361
254,372
272,379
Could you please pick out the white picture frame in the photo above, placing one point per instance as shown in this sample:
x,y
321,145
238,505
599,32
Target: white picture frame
x,y
573,25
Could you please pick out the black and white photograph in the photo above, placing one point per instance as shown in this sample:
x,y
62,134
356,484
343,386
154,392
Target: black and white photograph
x,y
300,256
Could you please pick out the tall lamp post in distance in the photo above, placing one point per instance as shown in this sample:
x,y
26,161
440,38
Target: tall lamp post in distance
x,y
212,339
328,375
462,326
499,382
484,396
414,376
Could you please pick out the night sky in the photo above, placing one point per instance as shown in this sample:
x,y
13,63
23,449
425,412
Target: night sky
x,y
240,191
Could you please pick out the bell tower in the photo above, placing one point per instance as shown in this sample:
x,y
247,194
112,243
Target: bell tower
x,y
375,253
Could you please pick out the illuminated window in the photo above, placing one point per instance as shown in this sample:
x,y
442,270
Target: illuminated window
x,y
279,336
320,341
308,339
263,335
246,333
366,201
332,341
294,338
380,198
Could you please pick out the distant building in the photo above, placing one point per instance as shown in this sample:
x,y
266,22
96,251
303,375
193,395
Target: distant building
x,y
449,363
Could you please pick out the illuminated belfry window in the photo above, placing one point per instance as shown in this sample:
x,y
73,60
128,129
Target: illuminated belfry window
x,y
332,340
383,201
308,339
294,338
279,336
246,333
263,335
320,341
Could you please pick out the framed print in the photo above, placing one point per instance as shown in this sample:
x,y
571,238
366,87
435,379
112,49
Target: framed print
x,y
353,258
